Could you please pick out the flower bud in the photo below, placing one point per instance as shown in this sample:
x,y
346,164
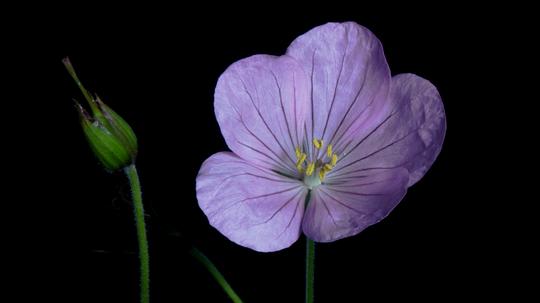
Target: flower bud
x,y
110,137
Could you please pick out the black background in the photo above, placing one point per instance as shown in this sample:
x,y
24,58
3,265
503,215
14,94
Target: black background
x,y
159,70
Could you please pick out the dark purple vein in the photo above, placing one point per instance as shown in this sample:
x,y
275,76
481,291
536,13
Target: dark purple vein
x,y
331,141
363,169
355,193
283,108
281,165
344,204
295,114
312,110
362,141
329,212
290,221
377,151
280,208
266,124
264,144
222,209
335,89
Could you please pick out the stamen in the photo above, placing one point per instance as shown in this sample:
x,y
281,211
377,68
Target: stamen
x,y
329,151
322,172
334,159
301,160
310,168
319,166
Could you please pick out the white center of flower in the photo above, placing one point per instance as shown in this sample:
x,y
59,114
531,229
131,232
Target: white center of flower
x,y
312,180
314,170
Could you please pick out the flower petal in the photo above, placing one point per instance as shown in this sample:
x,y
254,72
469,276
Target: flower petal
x,y
411,135
260,104
344,208
251,206
349,79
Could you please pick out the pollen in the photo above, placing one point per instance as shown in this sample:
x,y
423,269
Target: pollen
x,y
329,151
314,168
322,172
310,168
334,159
298,152
301,160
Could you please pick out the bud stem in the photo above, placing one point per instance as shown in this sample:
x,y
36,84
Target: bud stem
x,y
144,259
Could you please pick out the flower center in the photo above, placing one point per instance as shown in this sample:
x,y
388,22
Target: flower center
x,y
315,169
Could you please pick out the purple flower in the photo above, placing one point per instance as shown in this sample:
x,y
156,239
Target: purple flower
x,y
324,140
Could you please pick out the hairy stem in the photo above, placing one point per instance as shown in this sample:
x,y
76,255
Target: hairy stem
x,y
138,208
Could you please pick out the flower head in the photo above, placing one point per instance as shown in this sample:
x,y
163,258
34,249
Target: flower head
x,y
324,141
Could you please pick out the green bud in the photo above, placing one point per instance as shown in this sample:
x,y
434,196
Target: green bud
x,y
112,140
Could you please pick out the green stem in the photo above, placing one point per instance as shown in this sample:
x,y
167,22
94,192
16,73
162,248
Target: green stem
x,y
310,270
131,173
197,254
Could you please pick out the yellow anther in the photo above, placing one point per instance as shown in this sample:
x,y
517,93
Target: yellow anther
x,y
318,143
301,160
298,152
334,160
322,172
328,167
329,151
310,168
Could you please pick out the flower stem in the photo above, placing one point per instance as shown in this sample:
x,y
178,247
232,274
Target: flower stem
x,y
197,254
133,177
310,270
